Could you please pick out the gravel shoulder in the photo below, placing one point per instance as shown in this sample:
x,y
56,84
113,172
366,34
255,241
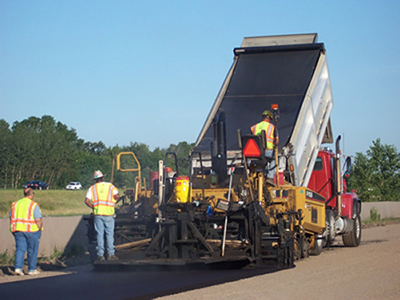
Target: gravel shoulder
x,y
370,271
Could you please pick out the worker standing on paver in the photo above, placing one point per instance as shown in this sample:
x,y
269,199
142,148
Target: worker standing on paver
x,y
101,197
26,227
269,128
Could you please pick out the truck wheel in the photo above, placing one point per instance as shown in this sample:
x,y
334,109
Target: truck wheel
x,y
318,244
330,226
353,238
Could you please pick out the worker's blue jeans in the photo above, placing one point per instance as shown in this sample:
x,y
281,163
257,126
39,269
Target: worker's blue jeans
x,y
271,167
104,224
26,242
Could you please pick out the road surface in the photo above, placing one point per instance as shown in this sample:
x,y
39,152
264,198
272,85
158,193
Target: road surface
x,y
370,271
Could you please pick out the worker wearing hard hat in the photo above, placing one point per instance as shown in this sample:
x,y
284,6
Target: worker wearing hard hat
x,y
270,136
101,197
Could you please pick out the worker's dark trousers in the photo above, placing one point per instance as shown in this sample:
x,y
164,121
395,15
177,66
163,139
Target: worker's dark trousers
x,y
26,242
104,224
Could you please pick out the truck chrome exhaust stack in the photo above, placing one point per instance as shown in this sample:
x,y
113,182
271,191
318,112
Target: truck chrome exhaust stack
x,y
338,178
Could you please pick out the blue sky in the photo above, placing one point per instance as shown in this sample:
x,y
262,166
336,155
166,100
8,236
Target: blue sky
x,y
149,71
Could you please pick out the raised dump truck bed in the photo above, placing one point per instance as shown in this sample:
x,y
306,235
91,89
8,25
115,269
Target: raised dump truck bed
x,y
290,71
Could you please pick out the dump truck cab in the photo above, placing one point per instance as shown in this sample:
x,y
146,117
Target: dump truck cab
x,y
343,208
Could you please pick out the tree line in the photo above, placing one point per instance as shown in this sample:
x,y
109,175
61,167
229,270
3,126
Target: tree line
x,y
376,175
43,149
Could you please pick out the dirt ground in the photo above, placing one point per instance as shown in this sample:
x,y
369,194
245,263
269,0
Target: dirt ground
x,y
370,271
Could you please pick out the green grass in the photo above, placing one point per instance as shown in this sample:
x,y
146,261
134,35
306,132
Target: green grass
x,y
7,259
374,216
51,202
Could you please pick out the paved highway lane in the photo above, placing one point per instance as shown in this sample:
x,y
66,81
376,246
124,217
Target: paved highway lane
x,y
120,285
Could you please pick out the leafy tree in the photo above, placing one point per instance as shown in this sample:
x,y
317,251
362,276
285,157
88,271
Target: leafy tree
x,y
44,149
95,148
182,151
38,149
376,175
5,156
89,164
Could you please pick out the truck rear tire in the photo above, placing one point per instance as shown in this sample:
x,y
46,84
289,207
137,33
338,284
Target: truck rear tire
x,y
353,238
330,225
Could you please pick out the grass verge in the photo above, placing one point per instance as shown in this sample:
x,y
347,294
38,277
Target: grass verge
x,y
52,202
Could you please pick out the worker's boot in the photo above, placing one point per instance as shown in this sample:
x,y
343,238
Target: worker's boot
x,y
19,272
100,258
34,272
112,257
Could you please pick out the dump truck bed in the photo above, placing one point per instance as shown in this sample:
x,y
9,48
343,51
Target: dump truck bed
x,y
290,71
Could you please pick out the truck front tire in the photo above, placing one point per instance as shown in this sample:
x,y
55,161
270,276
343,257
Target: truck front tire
x,y
353,238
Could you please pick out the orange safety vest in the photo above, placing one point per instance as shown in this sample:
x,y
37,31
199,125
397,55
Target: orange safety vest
x,y
103,198
22,216
269,132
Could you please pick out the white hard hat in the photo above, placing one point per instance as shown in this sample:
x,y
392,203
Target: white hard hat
x,y
97,174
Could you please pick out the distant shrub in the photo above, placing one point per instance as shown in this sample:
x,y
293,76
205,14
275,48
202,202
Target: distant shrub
x,y
7,259
374,216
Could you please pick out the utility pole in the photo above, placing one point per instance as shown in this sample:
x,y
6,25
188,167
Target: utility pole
x,y
112,170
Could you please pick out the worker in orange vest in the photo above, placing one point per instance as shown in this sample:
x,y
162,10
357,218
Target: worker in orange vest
x,y
269,128
101,197
26,226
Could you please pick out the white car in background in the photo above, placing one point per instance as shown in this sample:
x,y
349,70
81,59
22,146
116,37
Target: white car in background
x,y
74,186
